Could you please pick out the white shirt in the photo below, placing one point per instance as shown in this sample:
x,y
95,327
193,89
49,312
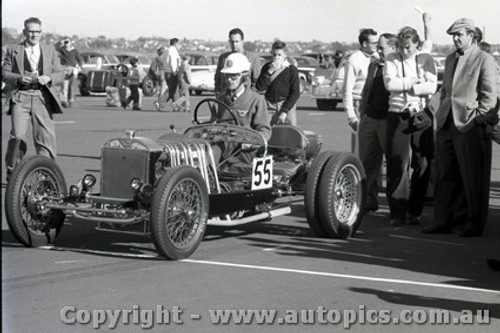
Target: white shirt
x,y
36,50
173,60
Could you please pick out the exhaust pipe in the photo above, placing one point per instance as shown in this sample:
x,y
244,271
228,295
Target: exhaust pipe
x,y
217,221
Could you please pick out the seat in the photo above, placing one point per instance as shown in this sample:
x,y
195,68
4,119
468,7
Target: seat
x,y
287,136
293,142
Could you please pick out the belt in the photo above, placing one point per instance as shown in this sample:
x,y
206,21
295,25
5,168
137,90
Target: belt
x,y
31,86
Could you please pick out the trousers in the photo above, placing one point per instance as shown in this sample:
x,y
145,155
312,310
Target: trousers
x,y
29,107
408,167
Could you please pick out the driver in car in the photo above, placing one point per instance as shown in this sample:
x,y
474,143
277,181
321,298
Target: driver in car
x,y
248,107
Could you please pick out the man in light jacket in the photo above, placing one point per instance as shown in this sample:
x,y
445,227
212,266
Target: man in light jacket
x,y
464,122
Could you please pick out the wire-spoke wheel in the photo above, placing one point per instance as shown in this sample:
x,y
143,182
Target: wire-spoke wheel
x,y
179,212
35,182
342,195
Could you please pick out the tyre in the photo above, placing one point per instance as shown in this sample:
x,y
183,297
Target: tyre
x,y
179,212
312,192
326,104
34,180
82,85
302,86
148,87
342,195
83,90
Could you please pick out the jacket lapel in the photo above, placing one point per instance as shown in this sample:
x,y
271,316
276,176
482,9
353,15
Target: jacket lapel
x,y
20,58
45,58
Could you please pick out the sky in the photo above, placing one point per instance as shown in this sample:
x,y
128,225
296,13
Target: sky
x,y
288,20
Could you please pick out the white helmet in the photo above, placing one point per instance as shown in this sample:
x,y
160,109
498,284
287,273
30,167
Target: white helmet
x,y
236,63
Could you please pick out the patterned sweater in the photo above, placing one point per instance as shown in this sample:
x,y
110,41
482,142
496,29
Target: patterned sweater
x,y
250,110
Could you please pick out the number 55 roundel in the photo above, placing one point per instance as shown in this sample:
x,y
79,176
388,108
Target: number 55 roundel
x,y
262,173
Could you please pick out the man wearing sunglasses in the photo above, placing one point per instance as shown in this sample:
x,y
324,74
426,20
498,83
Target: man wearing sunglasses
x,y
248,107
32,69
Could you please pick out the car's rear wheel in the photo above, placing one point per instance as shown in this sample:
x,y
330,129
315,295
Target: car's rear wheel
x,y
326,104
312,192
34,182
83,86
342,195
179,212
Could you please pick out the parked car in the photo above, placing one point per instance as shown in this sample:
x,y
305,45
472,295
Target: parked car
x,y
171,188
203,66
99,70
149,84
325,59
439,61
327,85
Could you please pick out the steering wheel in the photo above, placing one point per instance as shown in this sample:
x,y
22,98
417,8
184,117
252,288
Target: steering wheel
x,y
213,106
123,69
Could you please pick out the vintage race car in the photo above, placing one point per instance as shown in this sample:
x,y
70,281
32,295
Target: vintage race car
x,y
171,188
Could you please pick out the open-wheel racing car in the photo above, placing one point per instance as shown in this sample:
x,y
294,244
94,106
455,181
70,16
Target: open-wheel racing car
x,y
173,187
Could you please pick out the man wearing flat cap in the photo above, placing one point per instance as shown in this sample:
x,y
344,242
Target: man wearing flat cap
x,y
464,122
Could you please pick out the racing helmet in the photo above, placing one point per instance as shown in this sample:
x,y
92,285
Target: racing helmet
x,y
236,63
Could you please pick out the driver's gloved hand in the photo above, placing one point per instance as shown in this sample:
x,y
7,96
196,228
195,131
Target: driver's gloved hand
x,y
247,146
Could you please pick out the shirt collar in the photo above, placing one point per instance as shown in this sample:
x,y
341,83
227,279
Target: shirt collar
x,y
235,95
35,47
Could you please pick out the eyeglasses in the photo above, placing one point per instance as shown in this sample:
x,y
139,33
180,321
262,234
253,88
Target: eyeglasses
x,y
233,76
34,32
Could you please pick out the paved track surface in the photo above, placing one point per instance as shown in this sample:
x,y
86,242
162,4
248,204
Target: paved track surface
x,y
277,265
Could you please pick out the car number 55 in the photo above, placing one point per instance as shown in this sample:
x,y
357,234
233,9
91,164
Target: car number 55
x,y
262,173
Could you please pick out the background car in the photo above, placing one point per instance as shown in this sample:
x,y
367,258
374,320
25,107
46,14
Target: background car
x,y
327,85
149,84
439,61
203,66
98,71
325,59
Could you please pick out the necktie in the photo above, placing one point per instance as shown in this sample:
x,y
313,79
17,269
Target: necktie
x,y
33,60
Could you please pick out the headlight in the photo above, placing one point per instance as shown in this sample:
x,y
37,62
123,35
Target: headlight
x,y
135,183
89,180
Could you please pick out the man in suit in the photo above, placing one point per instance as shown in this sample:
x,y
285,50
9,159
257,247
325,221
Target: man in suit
x,y
236,38
32,68
463,135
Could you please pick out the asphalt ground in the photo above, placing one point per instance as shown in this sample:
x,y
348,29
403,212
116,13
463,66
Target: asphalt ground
x,y
315,285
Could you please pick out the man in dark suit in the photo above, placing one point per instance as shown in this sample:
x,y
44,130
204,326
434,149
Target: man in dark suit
x,y
463,135
236,40
32,68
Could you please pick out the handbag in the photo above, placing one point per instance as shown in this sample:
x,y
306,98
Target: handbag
x,y
418,120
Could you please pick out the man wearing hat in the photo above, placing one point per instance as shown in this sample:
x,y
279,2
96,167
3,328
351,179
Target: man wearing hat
x,y
247,105
463,135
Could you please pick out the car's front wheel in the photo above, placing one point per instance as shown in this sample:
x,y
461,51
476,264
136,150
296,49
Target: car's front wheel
x,y
179,212
35,181
342,193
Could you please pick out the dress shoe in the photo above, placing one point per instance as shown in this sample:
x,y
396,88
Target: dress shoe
x,y
437,229
371,209
396,222
470,231
494,264
136,108
413,220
